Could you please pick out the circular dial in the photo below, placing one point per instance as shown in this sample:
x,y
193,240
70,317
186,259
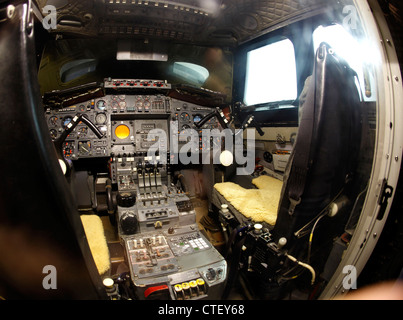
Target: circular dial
x,y
115,105
84,147
100,118
139,105
185,126
101,105
185,117
82,131
197,118
82,108
66,121
53,134
53,120
68,149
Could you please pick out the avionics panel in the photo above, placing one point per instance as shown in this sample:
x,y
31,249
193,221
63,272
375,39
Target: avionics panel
x,y
181,258
125,120
132,136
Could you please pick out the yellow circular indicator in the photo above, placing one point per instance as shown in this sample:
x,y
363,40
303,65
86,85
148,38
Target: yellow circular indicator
x,y
122,131
178,287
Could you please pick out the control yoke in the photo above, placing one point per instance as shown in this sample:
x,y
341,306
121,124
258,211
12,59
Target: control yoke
x,y
58,143
250,120
219,114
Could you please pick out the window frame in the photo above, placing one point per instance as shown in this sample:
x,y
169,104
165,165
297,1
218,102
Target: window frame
x,y
275,103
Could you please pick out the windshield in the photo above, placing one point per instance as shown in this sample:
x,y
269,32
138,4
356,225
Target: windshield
x,y
69,63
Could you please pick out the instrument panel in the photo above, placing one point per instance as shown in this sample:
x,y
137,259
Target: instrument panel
x,y
125,121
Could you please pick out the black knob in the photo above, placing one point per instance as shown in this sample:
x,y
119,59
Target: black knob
x,y
126,199
128,222
268,157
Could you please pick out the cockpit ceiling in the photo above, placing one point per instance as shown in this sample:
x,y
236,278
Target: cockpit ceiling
x,y
200,21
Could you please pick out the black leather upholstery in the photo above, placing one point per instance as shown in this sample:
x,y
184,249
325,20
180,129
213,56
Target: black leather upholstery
x,y
39,224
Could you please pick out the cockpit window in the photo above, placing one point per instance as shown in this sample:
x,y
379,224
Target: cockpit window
x,y
77,68
271,74
73,62
190,72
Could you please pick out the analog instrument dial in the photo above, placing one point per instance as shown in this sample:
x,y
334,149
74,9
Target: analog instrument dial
x,y
101,105
53,134
66,121
185,117
53,120
82,131
100,118
84,148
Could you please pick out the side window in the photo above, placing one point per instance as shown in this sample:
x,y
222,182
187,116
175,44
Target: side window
x,y
77,68
356,54
271,74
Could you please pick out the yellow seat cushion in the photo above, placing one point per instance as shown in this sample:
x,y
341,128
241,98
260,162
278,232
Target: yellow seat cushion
x,y
94,232
258,204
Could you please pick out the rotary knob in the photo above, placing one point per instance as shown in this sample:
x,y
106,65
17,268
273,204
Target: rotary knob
x,y
126,199
128,222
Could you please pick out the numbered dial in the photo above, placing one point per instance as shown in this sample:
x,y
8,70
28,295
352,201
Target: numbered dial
x,y
100,118
84,148
101,105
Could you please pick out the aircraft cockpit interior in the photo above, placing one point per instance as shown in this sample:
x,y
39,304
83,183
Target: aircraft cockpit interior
x,y
195,150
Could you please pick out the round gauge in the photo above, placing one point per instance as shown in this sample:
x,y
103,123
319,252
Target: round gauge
x,y
66,121
122,104
197,118
68,149
82,131
122,97
185,117
53,120
101,105
84,147
185,126
139,104
100,118
82,108
53,134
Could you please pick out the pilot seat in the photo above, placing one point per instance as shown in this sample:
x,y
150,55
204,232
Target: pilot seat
x,y
267,221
